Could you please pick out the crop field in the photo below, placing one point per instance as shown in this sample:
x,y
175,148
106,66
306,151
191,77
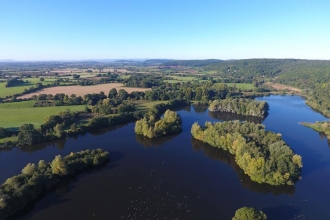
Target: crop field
x,y
15,114
83,90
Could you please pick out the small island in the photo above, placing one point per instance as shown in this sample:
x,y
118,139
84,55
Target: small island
x,y
319,126
151,128
240,106
261,154
19,191
248,213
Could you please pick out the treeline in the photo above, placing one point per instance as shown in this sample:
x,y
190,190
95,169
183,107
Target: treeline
x,y
142,80
151,127
323,127
156,111
261,154
19,191
240,106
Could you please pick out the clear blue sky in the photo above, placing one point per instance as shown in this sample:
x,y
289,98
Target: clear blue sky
x,y
178,29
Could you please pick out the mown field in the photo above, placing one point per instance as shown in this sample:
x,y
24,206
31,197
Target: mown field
x,y
83,90
17,113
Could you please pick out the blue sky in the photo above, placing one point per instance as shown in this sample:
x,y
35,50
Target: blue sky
x,y
128,29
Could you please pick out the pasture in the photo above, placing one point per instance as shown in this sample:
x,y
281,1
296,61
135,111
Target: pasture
x,y
15,114
28,82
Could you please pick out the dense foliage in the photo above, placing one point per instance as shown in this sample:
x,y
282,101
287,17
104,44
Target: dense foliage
x,y
319,126
261,154
20,190
143,81
14,82
247,213
240,106
150,127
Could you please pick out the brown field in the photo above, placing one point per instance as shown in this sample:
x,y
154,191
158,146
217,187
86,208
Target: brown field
x,y
282,87
83,90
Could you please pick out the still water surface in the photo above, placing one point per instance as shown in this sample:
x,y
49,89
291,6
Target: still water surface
x,y
176,177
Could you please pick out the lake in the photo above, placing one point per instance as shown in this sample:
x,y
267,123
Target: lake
x,y
177,177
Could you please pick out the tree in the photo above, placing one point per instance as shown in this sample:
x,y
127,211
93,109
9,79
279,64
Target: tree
x,y
27,134
122,94
113,93
76,76
247,213
42,79
58,166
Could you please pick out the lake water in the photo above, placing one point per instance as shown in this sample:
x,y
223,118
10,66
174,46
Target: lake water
x,y
176,177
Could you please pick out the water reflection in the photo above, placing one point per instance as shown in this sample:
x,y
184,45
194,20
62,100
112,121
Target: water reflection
x,y
225,116
200,108
103,131
154,142
324,136
225,157
60,144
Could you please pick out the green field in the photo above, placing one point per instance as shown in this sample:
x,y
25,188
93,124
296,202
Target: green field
x,y
4,91
17,113
148,105
241,85
176,79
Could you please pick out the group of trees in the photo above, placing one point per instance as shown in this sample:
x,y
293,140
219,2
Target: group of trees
x,y
151,127
240,106
52,128
261,154
19,191
319,126
142,80
248,213
14,82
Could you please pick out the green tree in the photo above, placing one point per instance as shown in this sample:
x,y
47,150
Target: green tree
x,y
113,93
247,213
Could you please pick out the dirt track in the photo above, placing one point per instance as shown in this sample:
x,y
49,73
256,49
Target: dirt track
x,y
83,90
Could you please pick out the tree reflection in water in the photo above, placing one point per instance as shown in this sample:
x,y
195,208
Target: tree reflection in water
x,y
154,142
225,116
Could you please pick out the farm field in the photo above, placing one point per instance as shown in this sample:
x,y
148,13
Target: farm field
x,y
241,85
7,91
83,90
15,114
176,79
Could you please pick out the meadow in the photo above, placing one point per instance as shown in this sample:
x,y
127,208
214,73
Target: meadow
x,y
8,91
15,114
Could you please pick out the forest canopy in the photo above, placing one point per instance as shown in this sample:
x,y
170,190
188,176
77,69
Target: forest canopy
x,y
240,106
